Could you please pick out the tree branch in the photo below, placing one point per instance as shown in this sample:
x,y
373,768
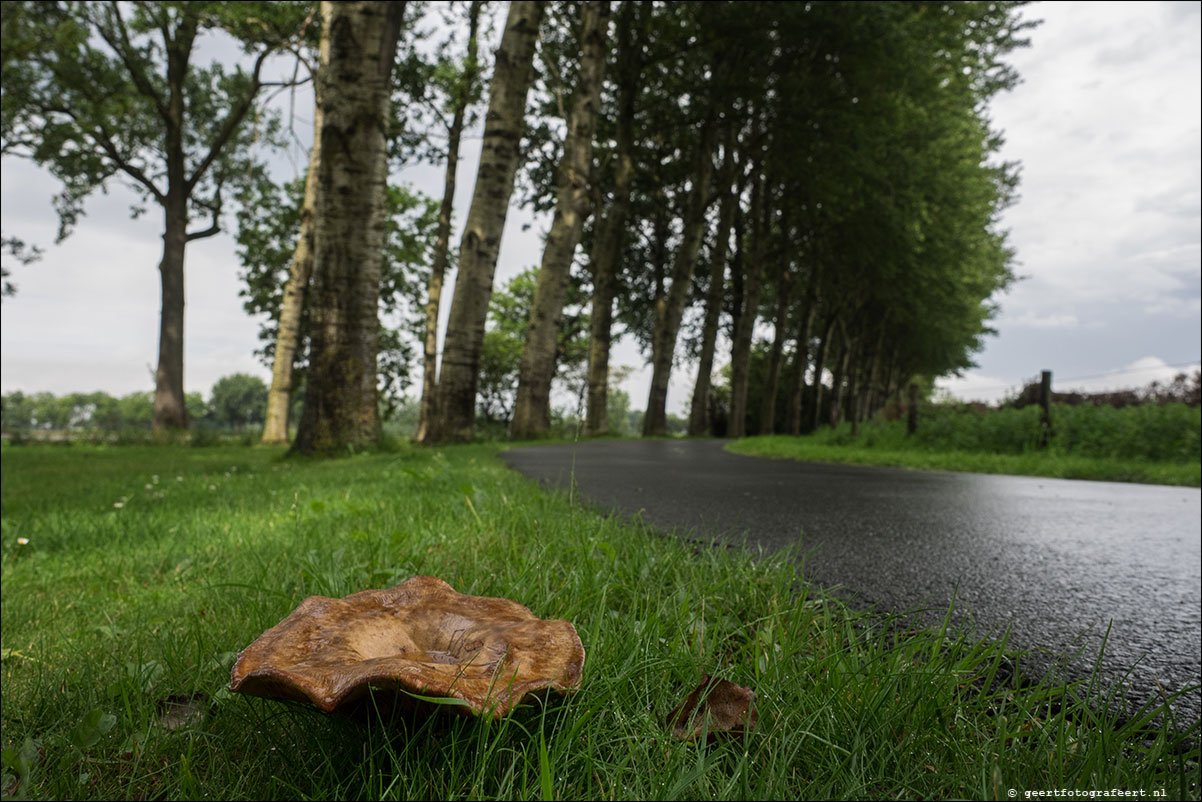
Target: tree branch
x,y
232,121
208,232
102,138
124,51
215,210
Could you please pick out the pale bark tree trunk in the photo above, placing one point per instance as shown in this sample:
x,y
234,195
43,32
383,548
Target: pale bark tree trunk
x,y
867,404
668,317
854,382
867,375
892,376
784,288
740,352
442,245
699,411
532,408
815,414
802,359
611,229
455,407
287,340
837,390
358,52
772,381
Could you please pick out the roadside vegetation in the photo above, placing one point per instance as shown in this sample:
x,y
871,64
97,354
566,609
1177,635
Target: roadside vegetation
x,y
1158,444
132,576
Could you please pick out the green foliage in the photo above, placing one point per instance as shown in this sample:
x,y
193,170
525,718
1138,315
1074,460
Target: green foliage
x,y
238,401
617,408
88,90
77,412
1147,443
867,122
437,69
266,237
500,361
501,356
17,249
1158,433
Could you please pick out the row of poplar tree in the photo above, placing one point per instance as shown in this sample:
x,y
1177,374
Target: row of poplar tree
x,y
821,170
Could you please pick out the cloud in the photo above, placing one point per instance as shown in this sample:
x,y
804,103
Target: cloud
x,y
1106,127
1181,201
974,386
1189,284
1139,373
1182,12
1034,320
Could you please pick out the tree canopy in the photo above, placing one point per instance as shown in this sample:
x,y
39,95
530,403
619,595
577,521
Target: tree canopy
x,y
103,92
807,193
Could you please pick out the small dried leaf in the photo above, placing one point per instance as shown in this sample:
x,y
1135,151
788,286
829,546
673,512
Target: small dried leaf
x,y
718,708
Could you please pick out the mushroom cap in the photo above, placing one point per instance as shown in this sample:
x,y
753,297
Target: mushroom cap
x,y
421,637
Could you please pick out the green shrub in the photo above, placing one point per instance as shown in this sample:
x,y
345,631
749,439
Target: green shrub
x,y
1155,433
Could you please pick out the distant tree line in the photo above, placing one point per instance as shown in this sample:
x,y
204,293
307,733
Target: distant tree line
x,y
235,403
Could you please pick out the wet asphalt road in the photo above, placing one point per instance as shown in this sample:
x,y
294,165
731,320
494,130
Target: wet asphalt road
x,y
1057,561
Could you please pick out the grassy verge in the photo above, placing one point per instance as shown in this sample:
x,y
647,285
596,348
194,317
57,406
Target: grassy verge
x,y
1032,463
132,575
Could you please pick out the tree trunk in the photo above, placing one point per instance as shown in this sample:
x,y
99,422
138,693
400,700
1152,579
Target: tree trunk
x,y
772,381
802,360
837,384
871,391
740,352
699,417
855,367
611,230
866,389
170,411
442,245
784,286
455,407
170,407
287,338
815,415
358,52
655,421
532,409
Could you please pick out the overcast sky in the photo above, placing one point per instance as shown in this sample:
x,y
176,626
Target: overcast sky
x,y
1106,125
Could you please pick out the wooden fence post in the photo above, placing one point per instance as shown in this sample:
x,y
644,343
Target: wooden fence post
x,y
1045,405
912,413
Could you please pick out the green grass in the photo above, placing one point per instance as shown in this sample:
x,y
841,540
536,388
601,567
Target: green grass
x,y
1029,464
1149,444
108,610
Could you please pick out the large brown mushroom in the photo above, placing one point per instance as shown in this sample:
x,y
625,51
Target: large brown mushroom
x,y
421,637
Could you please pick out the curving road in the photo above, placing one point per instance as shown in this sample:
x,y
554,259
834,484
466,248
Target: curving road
x,y
1057,561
